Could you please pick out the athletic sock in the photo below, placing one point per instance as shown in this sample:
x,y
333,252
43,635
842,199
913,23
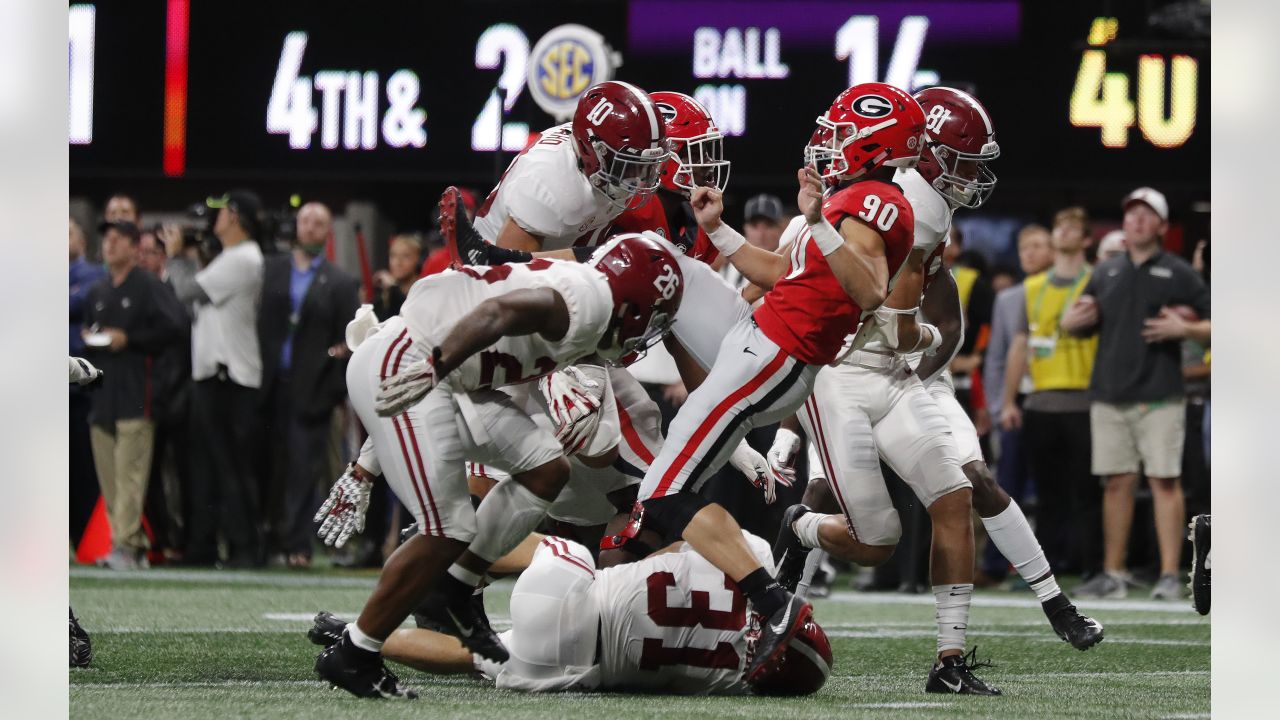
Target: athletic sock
x,y
951,604
1012,535
806,528
470,579
811,566
362,641
764,592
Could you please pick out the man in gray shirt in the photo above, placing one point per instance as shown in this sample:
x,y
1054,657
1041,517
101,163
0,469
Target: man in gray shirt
x,y
1138,400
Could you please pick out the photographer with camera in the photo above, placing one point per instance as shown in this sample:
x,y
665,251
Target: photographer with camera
x,y
227,369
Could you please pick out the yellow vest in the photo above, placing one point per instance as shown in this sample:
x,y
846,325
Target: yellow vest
x,y
1058,361
965,278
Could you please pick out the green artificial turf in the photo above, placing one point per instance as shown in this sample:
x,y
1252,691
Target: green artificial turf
x,y
209,644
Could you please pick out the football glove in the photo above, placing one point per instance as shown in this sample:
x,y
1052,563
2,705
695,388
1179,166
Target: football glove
x,y
404,389
343,511
82,371
756,469
574,397
782,456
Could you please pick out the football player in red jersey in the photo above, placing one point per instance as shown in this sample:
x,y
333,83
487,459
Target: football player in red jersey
x,y
840,267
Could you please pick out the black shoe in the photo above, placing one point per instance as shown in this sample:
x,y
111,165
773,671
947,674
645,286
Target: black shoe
x,y
359,672
326,629
1081,631
954,675
464,244
1201,567
788,552
775,633
81,648
465,620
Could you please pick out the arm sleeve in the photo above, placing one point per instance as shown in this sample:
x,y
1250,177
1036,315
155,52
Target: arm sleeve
x,y
228,275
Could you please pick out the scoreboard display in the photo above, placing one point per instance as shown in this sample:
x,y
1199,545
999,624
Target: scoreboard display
x,y
422,91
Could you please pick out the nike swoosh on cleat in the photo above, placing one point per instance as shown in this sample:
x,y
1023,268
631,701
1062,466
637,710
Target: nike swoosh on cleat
x,y
782,626
954,688
463,630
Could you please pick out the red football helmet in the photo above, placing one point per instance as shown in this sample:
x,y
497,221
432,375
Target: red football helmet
x,y
621,140
806,665
647,286
961,141
697,145
869,126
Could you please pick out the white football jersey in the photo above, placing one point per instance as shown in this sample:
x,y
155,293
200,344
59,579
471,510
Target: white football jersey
x,y
437,302
931,210
546,194
674,622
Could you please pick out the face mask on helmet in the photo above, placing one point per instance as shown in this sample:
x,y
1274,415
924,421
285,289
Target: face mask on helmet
x,y
699,162
622,177
964,178
625,351
827,148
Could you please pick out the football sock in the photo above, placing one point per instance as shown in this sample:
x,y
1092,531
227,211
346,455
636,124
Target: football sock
x,y
465,576
362,641
811,565
506,517
1013,538
951,603
765,594
806,528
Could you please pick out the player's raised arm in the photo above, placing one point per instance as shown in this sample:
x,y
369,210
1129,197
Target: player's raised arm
x,y
855,252
757,265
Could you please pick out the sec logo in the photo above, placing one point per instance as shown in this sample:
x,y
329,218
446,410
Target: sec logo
x,y
564,63
872,106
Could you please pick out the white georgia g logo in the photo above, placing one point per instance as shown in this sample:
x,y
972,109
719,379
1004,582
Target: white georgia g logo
x,y
667,283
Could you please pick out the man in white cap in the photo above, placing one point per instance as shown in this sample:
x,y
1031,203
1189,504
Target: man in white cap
x,y
1138,406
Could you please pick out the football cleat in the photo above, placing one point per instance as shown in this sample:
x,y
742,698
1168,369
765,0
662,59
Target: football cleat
x,y
954,675
359,672
81,648
791,553
775,636
326,629
464,620
1201,565
1081,631
464,244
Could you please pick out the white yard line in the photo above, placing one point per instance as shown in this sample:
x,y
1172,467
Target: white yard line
x,y
223,577
981,600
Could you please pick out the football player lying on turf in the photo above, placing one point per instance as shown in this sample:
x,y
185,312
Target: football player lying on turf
x,y
423,386
671,623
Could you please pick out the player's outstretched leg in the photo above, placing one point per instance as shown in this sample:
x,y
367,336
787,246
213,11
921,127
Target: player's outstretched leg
x,y
1008,529
1201,567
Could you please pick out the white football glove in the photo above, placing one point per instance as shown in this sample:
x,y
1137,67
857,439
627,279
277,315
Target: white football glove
x,y
782,456
756,469
82,371
344,510
404,389
574,397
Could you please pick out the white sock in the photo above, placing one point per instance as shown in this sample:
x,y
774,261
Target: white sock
x,y
951,604
806,528
811,565
362,641
1012,535
504,519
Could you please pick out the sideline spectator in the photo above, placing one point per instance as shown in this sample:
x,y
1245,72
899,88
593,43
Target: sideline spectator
x,y
392,285
1139,404
1034,256
227,370
82,479
1055,415
306,305
976,298
130,317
